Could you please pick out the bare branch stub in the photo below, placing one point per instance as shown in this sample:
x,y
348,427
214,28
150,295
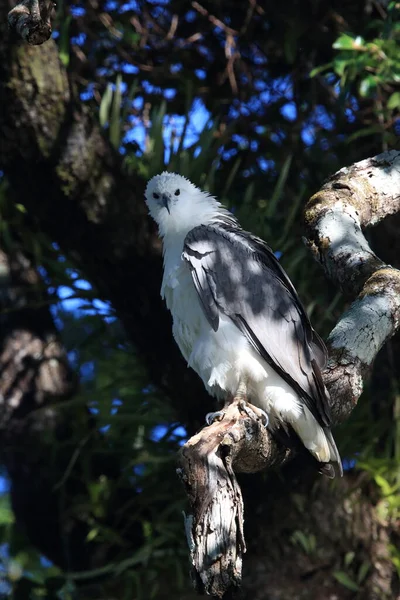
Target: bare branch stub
x,y
31,20
207,462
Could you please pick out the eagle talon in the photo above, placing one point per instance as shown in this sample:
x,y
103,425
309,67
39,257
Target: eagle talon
x,y
260,414
246,409
264,418
214,416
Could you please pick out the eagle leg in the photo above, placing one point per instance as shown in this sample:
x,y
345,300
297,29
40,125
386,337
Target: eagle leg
x,y
251,411
241,392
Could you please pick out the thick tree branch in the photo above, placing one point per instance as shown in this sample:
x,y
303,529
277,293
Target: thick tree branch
x,y
353,198
31,20
207,464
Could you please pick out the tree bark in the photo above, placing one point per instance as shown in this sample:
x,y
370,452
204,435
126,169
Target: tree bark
x,y
31,20
353,199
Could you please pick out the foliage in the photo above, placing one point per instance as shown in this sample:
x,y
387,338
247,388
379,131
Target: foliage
x,y
370,69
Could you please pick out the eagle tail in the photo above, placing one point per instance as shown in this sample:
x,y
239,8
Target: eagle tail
x,y
334,452
319,442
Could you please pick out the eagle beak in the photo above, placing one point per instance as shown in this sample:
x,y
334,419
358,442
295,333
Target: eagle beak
x,y
166,200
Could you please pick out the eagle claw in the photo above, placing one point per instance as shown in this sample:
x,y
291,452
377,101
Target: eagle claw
x,y
259,413
214,416
264,418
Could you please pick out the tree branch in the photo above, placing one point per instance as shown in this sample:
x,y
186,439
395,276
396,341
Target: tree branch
x,y
207,463
31,20
353,198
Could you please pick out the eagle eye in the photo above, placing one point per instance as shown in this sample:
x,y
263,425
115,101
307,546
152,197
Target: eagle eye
x,y
156,196
177,192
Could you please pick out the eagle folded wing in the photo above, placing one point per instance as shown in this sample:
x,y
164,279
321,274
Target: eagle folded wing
x,y
237,275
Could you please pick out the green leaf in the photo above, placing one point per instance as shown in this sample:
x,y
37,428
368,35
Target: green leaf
x,y
364,133
15,570
128,103
63,44
93,533
367,86
293,213
280,184
115,120
394,101
340,65
348,42
307,542
321,69
349,557
105,105
385,486
6,513
231,177
344,579
363,571
201,163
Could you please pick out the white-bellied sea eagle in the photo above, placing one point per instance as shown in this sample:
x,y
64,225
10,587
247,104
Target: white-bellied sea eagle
x,y
237,318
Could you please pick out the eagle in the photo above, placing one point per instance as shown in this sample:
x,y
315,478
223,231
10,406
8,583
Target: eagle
x,y
237,318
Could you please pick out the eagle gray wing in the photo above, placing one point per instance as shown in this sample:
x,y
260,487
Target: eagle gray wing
x,y
237,275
